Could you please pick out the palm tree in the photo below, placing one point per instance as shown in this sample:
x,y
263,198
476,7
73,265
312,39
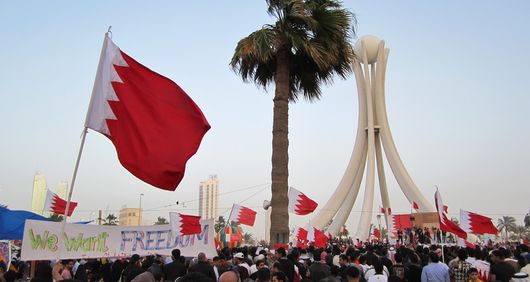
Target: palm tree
x,y
111,219
506,223
305,47
161,221
520,232
249,239
56,217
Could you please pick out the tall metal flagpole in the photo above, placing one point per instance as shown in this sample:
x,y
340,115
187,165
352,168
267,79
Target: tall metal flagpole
x,y
83,137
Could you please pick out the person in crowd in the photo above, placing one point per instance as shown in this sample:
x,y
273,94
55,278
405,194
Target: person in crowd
x,y
133,269
379,276
152,274
286,265
500,270
197,277
398,268
174,269
353,274
279,277
263,275
435,271
473,275
239,260
3,268
67,269
459,267
229,276
318,269
203,266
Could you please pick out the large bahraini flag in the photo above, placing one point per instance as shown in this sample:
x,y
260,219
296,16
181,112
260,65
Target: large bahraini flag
x,y
475,223
154,125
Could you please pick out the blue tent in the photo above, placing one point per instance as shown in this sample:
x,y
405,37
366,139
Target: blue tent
x,y
12,223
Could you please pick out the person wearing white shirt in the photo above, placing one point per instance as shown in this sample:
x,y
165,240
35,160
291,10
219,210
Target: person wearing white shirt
x,y
379,275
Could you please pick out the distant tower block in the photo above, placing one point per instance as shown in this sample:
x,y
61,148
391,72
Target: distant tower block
x,y
372,130
208,198
39,194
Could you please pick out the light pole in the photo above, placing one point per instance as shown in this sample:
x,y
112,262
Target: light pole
x,y
140,210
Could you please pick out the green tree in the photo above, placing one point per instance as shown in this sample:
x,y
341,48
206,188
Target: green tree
x,y
111,219
506,224
219,224
520,232
161,221
307,45
249,239
56,217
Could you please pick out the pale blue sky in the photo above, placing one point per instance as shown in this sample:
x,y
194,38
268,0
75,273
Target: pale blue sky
x,y
457,97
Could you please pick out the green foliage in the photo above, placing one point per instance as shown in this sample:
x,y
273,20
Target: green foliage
x,y
315,35
506,224
111,219
161,221
56,217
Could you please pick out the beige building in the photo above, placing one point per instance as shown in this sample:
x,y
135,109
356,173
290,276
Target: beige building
x,y
39,195
208,199
130,216
62,190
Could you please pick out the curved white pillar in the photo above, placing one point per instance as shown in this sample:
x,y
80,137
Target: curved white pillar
x,y
403,178
328,211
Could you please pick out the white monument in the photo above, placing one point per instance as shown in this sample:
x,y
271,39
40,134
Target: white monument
x,y
372,130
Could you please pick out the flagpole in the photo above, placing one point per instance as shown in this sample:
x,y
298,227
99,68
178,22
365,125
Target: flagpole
x,y
72,183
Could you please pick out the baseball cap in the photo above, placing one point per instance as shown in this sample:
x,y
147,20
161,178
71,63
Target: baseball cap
x,y
239,255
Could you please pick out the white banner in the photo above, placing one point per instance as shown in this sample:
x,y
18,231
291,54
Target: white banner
x,y
43,241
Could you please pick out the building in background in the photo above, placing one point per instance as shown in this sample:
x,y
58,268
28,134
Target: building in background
x,y
39,194
62,190
130,216
208,191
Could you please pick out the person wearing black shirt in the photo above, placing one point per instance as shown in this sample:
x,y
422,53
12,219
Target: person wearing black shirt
x,y
174,269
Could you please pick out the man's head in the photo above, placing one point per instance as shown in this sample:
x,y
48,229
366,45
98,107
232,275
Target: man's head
x,y
238,258
201,257
343,260
353,274
462,254
281,252
260,264
473,274
264,275
229,276
433,257
175,254
68,264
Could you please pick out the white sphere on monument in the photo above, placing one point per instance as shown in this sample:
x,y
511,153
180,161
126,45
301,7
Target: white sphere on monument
x,y
371,44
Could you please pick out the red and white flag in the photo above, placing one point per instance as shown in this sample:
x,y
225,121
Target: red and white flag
x,y
242,215
381,210
57,205
377,234
446,208
389,211
184,224
415,205
300,234
299,203
475,223
445,223
154,125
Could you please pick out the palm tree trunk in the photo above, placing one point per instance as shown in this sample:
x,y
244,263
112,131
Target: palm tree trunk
x,y
279,232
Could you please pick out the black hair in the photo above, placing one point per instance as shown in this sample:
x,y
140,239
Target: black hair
x,y
462,254
194,277
264,274
434,257
353,272
175,253
472,270
280,276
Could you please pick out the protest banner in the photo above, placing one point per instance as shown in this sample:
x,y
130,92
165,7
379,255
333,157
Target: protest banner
x,y
44,241
5,252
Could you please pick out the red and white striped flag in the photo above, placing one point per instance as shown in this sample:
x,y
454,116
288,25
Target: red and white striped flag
x,y
184,224
475,223
299,203
57,205
445,223
154,125
243,215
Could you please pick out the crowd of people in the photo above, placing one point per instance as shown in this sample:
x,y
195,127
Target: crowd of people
x,y
339,261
